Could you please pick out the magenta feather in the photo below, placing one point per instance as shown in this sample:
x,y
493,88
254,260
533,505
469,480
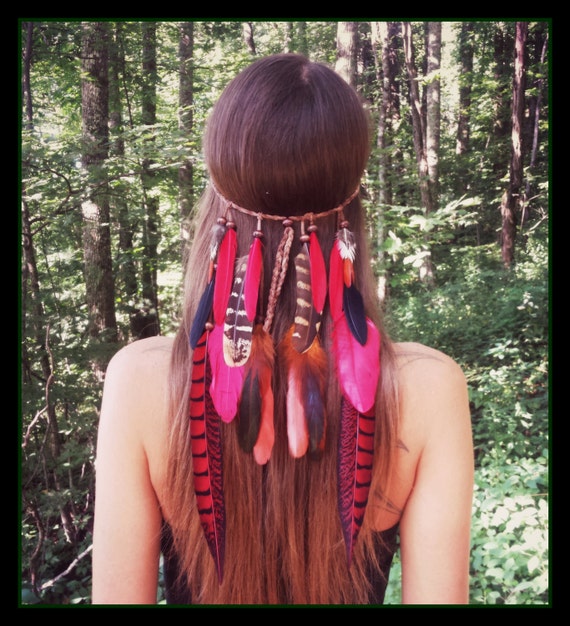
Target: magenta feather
x,y
227,382
253,277
358,366
318,273
224,274
205,437
355,459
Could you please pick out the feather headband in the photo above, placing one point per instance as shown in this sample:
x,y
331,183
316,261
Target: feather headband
x,y
234,356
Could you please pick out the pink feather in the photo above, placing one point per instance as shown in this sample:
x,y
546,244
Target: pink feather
x,y
297,430
336,284
253,278
358,366
224,275
266,438
318,273
227,382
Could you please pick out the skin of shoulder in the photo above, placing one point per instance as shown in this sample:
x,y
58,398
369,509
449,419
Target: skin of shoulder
x,y
438,466
131,449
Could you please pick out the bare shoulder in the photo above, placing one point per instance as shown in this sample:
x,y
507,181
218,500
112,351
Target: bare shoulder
x,y
136,380
433,391
418,364
141,355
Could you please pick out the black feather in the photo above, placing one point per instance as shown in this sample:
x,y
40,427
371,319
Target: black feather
x,y
355,314
202,314
249,413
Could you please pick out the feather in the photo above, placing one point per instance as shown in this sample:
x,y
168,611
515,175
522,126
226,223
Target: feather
x,y
203,313
227,382
358,366
315,366
355,458
355,315
346,244
306,412
224,274
336,285
206,449
307,319
264,444
238,328
257,391
318,273
253,278
297,429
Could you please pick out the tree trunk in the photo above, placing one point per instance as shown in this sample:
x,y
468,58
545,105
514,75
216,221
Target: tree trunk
x,y
420,143
512,199
247,30
185,123
99,280
465,44
126,270
433,110
147,321
347,51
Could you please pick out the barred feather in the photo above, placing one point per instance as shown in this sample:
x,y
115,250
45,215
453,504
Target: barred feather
x,y
206,449
355,459
307,319
238,328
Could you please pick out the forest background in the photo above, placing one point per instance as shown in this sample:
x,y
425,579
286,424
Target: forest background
x,y
457,198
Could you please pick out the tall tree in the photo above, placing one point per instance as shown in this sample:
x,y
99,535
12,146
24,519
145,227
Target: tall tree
x,y
465,47
126,278
148,323
185,119
419,129
433,109
98,270
513,197
347,51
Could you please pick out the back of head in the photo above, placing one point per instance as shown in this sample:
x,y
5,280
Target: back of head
x,y
287,136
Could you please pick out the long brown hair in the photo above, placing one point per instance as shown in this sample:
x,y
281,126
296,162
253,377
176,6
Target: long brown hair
x,y
287,137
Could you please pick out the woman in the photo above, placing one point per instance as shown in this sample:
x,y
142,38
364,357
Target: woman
x,y
232,448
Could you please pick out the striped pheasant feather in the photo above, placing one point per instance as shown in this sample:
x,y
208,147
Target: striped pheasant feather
x,y
238,328
206,448
355,458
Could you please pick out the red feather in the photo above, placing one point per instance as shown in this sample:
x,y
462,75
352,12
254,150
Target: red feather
x,y
318,273
206,448
253,277
336,284
227,382
224,275
262,360
358,366
297,429
355,458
